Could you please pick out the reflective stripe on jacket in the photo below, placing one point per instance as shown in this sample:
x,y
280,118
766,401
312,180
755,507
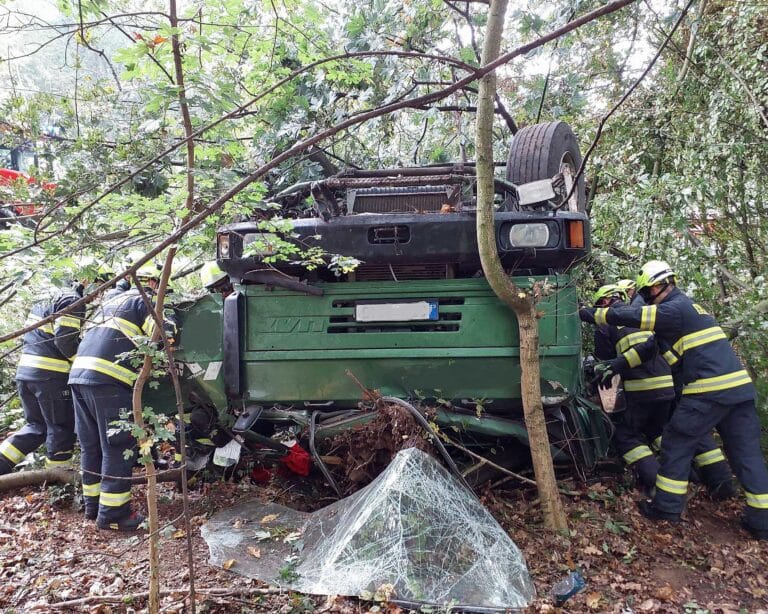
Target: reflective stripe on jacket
x,y
645,374
118,324
705,363
48,350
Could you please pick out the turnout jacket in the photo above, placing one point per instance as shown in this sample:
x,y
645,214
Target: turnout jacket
x,y
634,355
119,322
692,343
48,350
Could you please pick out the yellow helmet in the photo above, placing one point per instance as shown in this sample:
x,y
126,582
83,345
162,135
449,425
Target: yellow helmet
x,y
609,291
626,284
211,274
149,270
654,272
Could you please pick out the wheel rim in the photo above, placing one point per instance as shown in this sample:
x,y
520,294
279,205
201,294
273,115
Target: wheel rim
x,y
568,171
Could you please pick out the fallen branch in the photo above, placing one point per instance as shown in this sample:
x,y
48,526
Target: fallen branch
x,y
130,597
21,479
37,477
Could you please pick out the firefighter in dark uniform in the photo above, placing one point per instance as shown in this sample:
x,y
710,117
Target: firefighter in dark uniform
x,y
649,394
41,380
717,392
102,382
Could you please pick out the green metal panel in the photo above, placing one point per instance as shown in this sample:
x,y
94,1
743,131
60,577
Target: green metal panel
x,y
300,348
200,351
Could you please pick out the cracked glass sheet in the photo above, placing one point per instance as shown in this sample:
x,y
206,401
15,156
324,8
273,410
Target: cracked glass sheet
x,y
413,535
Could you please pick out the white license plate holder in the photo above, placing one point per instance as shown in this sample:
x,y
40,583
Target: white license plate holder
x,y
397,311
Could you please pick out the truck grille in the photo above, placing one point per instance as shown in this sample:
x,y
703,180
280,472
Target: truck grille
x,y
404,272
411,199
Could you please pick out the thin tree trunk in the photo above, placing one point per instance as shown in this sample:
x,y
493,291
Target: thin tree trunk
x,y
521,302
189,204
138,417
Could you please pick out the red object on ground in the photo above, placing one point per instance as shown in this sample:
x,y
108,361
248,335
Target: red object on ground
x,y
297,460
261,475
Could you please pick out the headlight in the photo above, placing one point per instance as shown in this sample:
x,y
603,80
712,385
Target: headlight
x,y
529,235
261,244
223,246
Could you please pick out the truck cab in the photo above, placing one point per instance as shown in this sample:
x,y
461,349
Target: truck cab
x,y
414,317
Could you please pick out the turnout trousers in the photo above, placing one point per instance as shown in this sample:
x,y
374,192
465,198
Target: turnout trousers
x,y
739,429
108,452
642,423
50,419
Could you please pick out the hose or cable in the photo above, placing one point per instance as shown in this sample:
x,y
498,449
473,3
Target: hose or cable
x,y
316,456
435,437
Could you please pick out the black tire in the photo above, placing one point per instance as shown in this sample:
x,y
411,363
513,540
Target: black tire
x,y
542,151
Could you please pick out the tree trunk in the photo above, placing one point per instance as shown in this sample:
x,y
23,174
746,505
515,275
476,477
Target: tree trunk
x,y
521,302
154,542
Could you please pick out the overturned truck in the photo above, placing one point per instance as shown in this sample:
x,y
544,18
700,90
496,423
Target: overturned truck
x,y
302,348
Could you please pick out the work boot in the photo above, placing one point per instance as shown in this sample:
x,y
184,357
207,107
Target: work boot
x,y
651,512
126,524
91,512
759,534
722,491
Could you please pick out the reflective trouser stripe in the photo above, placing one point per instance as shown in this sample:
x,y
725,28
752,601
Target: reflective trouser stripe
x,y
205,441
633,358
700,337
92,490
721,382
106,367
758,501
636,453
44,362
676,487
649,383
11,452
648,317
114,499
657,443
709,458
57,463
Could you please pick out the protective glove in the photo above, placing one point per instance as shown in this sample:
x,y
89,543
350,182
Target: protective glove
x,y
604,374
587,314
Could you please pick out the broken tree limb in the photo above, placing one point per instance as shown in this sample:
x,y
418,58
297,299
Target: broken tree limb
x,y
20,479
37,477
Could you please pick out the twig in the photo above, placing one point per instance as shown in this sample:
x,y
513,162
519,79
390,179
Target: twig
x,y
129,597
482,459
623,99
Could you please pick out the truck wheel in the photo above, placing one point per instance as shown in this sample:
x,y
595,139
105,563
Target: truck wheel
x,y
542,151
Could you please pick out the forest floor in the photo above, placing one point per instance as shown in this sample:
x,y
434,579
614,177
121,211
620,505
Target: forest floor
x,y
49,554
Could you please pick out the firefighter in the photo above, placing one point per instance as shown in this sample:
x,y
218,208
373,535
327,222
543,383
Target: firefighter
x,y
628,285
717,392
649,395
41,379
214,279
101,379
